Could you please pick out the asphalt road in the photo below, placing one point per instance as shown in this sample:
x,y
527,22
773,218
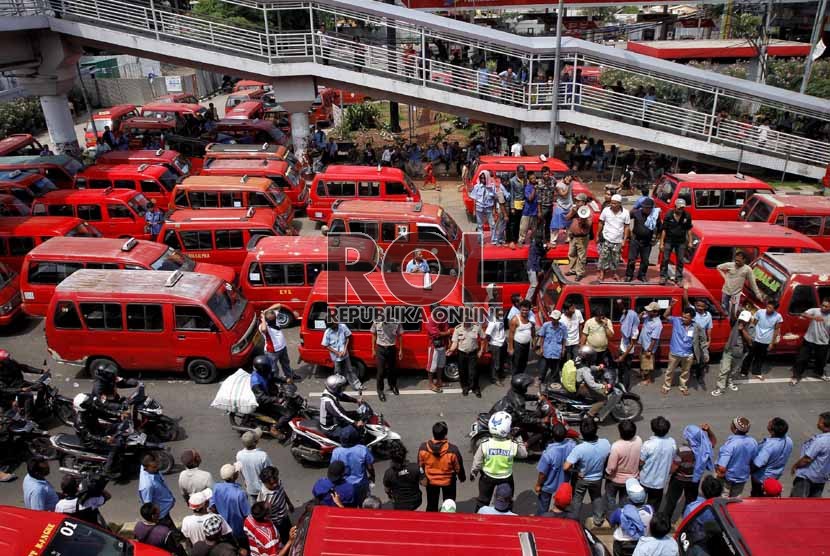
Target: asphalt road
x,y
412,414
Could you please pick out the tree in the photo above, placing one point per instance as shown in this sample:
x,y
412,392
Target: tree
x,y
751,27
229,14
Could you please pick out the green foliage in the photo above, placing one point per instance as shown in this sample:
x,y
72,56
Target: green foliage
x,y
783,73
22,115
666,92
747,26
229,14
359,117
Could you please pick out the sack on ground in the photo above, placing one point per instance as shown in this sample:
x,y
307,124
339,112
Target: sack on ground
x,y
569,376
235,394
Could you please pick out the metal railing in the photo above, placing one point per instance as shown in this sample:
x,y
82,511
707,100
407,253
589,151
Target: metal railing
x,y
18,8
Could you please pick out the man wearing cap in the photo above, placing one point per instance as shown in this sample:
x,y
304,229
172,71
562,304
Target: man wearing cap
x,y
251,461
231,502
502,501
214,543
675,237
736,348
550,344
771,488
193,479
561,503
360,469
735,457
192,524
649,338
333,489
812,470
613,231
579,233
772,455
645,228
611,189
484,196
632,520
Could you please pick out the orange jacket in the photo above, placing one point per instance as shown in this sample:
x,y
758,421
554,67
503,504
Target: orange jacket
x,y
441,462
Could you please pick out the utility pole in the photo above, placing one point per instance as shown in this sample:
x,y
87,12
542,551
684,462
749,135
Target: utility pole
x,y
86,100
554,103
762,59
392,46
818,27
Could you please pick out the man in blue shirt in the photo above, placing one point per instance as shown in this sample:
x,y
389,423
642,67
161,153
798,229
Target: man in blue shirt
x,y
588,460
629,330
333,489
735,457
767,333
231,502
336,340
152,488
530,210
360,470
812,470
681,347
38,493
551,473
484,196
772,455
656,458
551,338
649,338
702,318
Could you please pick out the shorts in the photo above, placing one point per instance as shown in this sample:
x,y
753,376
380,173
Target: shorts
x,y
609,255
436,359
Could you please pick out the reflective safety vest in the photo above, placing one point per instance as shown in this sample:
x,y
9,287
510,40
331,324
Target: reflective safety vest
x,y
498,457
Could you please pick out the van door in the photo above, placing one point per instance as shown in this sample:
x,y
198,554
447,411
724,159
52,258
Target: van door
x,y
196,334
415,343
40,280
153,345
120,222
197,244
104,322
230,248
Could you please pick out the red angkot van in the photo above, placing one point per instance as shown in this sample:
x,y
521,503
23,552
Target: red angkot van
x,y
154,181
146,320
59,169
49,263
12,206
20,144
249,84
283,176
177,98
249,110
808,214
115,213
708,196
171,160
10,299
20,234
111,117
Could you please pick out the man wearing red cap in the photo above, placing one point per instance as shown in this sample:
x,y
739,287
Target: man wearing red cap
x,y
772,488
561,502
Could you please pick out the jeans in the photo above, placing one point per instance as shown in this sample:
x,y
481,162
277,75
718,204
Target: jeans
x,y
513,226
385,359
486,486
653,496
496,363
615,496
730,304
805,488
280,357
468,371
498,230
483,217
550,369
543,502
546,215
434,493
594,490
679,250
344,368
520,355
638,250
533,283
808,351
624,369
754,361
570,352
677,488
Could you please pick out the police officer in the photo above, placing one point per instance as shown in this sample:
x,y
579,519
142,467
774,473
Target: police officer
x,y
494,457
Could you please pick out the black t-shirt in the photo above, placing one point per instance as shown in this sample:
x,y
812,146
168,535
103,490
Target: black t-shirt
x,y
202,548
404,484
676,229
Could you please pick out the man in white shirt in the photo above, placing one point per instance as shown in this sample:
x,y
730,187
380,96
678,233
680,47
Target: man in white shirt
x,y
193,479
275,347
192,524
572,320
495,334
251,461
516,149
614,230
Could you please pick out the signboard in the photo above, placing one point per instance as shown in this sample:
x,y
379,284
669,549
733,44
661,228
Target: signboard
x,y
173,83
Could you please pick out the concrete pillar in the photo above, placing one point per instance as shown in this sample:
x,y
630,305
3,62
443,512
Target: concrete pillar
x,y
300,132
295,95
61,126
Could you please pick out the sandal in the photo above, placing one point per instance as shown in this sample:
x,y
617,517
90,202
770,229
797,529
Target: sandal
x,y
793,381
684,391
665,390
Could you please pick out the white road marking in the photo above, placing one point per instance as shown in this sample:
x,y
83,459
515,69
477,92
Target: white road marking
x,y
774,380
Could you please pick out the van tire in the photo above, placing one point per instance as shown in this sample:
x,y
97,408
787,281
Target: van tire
x,y
451,372
359,368
285,319
202,371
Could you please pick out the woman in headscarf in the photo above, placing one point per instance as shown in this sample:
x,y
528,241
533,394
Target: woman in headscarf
x,y
694,458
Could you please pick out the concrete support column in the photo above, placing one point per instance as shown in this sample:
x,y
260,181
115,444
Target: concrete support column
x,y
300,132
295,95
61,126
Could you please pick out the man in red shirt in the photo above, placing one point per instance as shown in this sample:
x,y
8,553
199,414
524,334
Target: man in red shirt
x,y
437,351
263,537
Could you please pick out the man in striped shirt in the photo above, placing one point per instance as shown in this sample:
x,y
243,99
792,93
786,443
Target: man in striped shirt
x,y
262,535
279,504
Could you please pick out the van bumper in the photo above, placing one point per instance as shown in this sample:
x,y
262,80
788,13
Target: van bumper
x,y
57,358
8,318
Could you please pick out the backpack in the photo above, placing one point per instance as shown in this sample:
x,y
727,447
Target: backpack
x,y
569,376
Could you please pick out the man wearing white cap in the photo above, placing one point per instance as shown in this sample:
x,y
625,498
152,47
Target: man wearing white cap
x,y
736,348
231,502
613,231
632,520
192,524
675,237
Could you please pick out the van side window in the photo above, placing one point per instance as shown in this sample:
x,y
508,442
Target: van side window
x,y
312,270
192,318
145,317
492,271
577,300
231,199
733,198
341,189
337,226
3,250
396,188
259,199
38,209
119,211
19,246
104,266
172,240
124,184
66,316
277,274
102,316
389,231
807,225
707,198
204,199
150,186
368,228
181,198
804,297
89,212
432,234
60,210
321,188
685,193
827,225
368,188
515,271
197,240
317,316
51,273
606,304
100,184
229,239
254,275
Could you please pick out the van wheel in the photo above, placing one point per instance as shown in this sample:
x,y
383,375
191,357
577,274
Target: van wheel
x,y
451,372
359,368
202,371
284,318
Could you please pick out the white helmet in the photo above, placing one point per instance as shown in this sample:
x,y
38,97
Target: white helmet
x,y
500,424
79,401
336,383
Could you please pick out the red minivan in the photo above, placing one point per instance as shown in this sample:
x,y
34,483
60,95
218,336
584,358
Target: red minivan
x,y
20,234
108,117
155,181
20,144
284,176
115,213
171,160
708,196
808,214
50,262
247,110
60,169
10,300
146,320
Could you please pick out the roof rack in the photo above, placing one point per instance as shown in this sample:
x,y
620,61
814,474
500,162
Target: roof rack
x,y
264,147
129,244
108,190
174,278
337,203
244,179
740,176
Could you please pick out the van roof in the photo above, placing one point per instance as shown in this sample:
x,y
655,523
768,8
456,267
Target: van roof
x,y
271,148
310,248
247,164
172,97
19,176
244,107
719,180
35,225
380,282
225,182
260,217
15,141
232,124
127,157
394,532
140,122
347,170
98,249
391,209
112,111
594,286
742,231
554,164
173,107
94,195
145,283
142,169
34,160
813,204
249,83
800,263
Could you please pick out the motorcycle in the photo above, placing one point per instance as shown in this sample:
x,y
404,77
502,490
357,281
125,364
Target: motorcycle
x,y
77,459
311,444
47,403
537,436
21,438
148,416
244,422
621,404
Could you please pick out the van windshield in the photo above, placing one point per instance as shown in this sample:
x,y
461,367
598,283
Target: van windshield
x,y
75,538
168,180
759,213
83,230
227,304
770,280
138,204
551,290
72,166
449,226
182,164
5,276
292,177
173,260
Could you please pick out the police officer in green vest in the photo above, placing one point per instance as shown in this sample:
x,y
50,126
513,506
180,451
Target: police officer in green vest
x,y
494,457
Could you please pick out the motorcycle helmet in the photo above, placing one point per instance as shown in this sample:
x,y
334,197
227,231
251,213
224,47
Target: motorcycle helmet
x,y
80,402
521,382
104,371
4,355
500,424
335,384
262,365
586,356
290,391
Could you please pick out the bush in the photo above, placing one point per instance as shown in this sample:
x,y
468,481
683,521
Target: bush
x,y
22,115
360,116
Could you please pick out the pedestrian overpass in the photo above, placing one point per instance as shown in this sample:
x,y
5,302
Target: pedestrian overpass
x,y
399,67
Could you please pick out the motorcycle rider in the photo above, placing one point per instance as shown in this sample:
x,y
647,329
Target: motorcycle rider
x,y
587,376
494,457
106,385
13,385
514,401
332,415
97,436
262,384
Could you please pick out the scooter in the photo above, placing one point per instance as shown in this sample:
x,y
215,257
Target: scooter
x,y
47,403
311,444
621,404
